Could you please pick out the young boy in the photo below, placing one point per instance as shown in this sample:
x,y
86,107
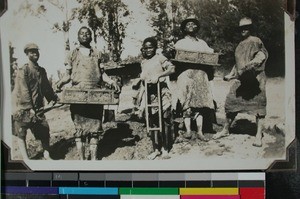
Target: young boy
x,y
31,86
248,92
84,71
155,68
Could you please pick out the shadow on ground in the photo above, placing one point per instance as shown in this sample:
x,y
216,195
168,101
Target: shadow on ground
x,y
60,149
116,138
244,126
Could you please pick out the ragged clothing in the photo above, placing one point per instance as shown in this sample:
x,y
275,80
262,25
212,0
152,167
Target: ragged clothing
x,y
86,73
248,94
193,86
155,66
86,70
31,86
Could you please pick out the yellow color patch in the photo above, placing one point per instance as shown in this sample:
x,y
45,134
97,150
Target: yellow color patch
x,y
209,191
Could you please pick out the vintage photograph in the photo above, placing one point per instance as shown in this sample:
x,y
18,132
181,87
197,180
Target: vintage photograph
x,y
147,84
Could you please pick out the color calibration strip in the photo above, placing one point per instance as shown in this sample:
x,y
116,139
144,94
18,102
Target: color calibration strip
x,y
135,185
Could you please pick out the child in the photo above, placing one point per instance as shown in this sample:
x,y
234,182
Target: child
x,y
194,87
248,92
31,86
84,69
155,67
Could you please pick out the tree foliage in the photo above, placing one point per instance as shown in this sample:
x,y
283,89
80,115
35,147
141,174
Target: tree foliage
x,y
218,25
40,9
13,65
106,19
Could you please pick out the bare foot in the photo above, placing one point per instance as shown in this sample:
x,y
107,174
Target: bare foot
x,y
153,155
202,137
221,134
47,155
257,142
187,135
165,154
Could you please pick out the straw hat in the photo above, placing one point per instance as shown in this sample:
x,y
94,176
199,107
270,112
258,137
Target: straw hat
x,y
191,19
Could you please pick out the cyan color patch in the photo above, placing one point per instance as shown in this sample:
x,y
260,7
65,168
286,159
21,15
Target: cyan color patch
x,y
88,191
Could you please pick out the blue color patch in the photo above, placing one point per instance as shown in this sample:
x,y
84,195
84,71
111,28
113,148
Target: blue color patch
x,y
88,191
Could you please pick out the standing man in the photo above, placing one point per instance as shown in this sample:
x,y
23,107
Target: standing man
x,y
193,86
31,86
247,94
84,71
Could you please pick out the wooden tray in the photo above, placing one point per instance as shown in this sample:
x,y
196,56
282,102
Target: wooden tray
x,y
89,96
191,57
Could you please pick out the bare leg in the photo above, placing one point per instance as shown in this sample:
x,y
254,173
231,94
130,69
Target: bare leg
x,y
93,148
199,122
187,123
225,131
23,148
80,148
165,153
258,138
156,146
47,155
153,155
46,148
166,140
41,132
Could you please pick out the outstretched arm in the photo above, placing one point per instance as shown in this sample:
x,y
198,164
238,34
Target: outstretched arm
x,y
108,80
47,89
232,75
64,80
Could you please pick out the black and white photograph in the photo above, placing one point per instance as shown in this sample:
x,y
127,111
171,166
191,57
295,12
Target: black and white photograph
x,y
147,84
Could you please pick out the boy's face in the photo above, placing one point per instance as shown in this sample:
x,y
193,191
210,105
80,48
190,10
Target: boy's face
x,y
84,36
191,27
245,32
148,50
33,55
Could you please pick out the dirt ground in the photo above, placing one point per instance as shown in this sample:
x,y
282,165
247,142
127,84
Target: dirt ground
x,y
128,140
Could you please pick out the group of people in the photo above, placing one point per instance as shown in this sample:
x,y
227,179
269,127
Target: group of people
x,y
191,93
191,90
84,70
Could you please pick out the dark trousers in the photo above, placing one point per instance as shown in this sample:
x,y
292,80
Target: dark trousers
x,y
40,130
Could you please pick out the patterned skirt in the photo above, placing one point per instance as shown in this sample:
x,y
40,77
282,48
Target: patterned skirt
x,y
194,90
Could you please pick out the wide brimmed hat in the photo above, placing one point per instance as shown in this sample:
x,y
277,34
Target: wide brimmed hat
x,y
245,22
30,46
184,22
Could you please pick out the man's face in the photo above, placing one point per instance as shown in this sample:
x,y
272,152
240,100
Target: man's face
x,y
33,55
245,32
148,50
191,27
84,36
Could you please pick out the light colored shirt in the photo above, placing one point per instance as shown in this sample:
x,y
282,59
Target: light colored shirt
x,y
154,66
85,66
251,52
193,44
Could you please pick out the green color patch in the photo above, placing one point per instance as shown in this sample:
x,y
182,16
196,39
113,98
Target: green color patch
x,y
148,191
